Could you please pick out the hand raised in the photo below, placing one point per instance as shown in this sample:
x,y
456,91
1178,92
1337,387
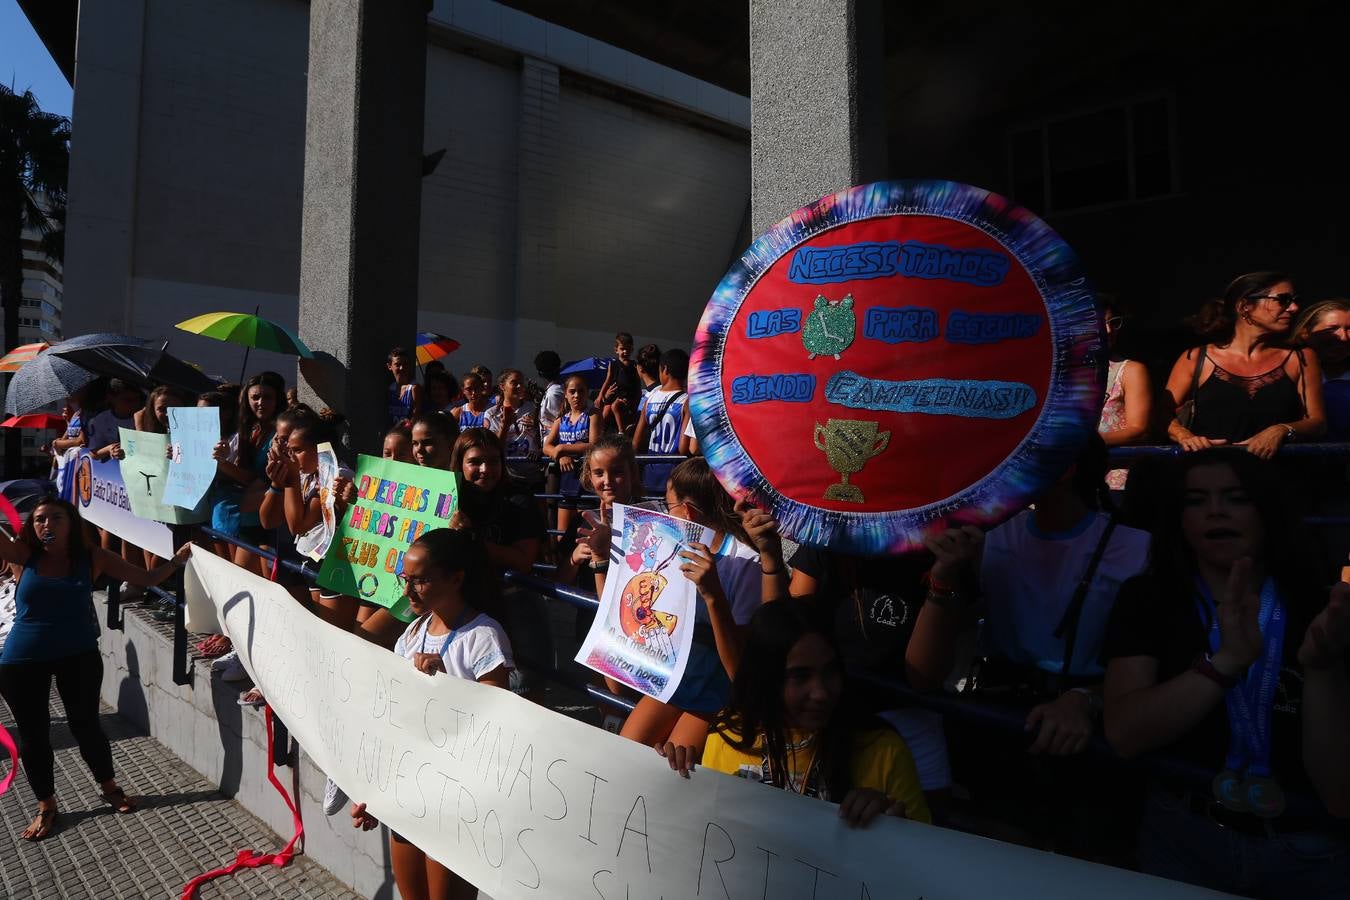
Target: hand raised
x,y
1328,637
1239,614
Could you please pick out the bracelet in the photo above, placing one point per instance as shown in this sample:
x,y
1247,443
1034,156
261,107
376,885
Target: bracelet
x,y
944,599
273,489
1289,433
937,585
1204,665
598,565
777,571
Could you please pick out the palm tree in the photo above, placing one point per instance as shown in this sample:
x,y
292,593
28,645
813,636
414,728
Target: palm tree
x,y
34,164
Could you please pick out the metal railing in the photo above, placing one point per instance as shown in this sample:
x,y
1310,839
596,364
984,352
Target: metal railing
x,y
996,717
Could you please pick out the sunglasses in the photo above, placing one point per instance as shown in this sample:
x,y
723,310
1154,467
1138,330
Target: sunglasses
x,y
1284,300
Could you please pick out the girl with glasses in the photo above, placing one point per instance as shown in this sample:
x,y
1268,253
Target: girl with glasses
x,y
1244,386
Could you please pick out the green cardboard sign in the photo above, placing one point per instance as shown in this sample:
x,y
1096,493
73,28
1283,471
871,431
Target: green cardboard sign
x,y
395,504
144,473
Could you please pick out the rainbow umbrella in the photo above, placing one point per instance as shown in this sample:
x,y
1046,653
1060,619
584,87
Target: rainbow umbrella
x,y
250,331
11,361
432,346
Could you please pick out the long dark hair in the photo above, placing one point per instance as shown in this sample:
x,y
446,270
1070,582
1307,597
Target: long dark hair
x,y
1216,321
1283,556
754,720
459,550
248,421
694,480
78,544
479,438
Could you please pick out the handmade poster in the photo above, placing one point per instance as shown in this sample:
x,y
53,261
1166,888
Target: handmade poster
x,y
193,435
896,359
315,542
144,472
525,802
645,625
96,489
395,503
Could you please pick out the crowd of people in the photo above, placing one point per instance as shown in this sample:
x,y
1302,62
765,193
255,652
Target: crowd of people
x,y
1179,614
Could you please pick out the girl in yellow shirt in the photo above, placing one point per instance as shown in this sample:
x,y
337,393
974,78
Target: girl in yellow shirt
x,y
786,724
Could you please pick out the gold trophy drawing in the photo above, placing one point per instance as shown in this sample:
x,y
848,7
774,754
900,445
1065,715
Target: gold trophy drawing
x,y
848,444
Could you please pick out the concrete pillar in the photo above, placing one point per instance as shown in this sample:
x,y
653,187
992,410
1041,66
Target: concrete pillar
x,y
817,101
104,153
362,201
536,294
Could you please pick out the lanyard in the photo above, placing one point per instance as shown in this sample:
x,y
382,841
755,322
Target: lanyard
x,y
1251,701
449,638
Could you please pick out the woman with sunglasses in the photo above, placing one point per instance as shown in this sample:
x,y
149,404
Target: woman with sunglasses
x,y
1244,386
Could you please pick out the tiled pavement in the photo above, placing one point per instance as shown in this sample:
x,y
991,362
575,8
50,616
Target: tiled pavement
x,y
183,828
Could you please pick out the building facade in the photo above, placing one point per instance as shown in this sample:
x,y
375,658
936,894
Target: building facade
x,y
582,189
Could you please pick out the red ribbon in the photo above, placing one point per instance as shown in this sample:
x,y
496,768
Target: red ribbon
x,y
7,742
248,859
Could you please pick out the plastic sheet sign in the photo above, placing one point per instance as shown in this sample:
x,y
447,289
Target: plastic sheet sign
x,y
894,359
395,504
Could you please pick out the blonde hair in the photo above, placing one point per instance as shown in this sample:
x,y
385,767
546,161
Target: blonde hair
x,y
1307,320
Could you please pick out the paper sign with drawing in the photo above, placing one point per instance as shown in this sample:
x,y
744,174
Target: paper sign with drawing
x,y
315,542
645,625
193,434
144,467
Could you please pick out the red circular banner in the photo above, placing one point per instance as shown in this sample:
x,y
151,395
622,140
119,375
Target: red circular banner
x,y
896,336
894,359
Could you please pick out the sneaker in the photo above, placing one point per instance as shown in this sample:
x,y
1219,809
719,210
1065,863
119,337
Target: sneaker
x,y
222,662
334,798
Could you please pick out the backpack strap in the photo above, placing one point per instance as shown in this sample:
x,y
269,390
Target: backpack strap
x,y
1068,625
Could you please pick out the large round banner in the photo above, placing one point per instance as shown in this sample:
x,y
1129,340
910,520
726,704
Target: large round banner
x,y
895,359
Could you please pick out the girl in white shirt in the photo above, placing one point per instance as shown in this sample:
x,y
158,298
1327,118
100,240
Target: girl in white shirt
x,y
447,588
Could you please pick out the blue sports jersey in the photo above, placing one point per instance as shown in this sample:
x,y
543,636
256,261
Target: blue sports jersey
x,y
664,413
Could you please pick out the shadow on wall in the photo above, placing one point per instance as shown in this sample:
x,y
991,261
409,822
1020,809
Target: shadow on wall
x,y
131,702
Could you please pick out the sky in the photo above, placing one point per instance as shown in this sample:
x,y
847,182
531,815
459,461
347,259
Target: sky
x,y
25,63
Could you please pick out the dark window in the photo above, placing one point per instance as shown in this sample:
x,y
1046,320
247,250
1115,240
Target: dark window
x,y
1120,154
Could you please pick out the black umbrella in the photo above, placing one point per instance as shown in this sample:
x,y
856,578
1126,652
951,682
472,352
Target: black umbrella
x,y
133,359
25,493
44,380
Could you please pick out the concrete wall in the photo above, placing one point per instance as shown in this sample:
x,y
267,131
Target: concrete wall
x,y
203,725
583,190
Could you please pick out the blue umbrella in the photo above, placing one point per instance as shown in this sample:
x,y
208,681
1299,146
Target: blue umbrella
x,y
592,368
44,380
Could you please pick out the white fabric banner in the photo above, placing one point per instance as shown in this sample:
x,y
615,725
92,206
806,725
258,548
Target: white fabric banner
x,y
97,489
527,803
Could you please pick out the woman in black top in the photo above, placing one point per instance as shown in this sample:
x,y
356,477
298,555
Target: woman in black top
x,y
1244,387
1226,656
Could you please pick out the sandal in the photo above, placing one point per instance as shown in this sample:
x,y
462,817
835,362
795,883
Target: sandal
x,y
43,825
119,801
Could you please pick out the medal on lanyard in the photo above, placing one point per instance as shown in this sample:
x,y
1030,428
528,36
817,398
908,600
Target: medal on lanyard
x,y
1245,783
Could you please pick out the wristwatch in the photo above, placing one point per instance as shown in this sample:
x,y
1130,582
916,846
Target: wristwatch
x,y
1094,699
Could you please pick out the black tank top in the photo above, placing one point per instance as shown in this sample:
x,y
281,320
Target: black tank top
x,y
1235,407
